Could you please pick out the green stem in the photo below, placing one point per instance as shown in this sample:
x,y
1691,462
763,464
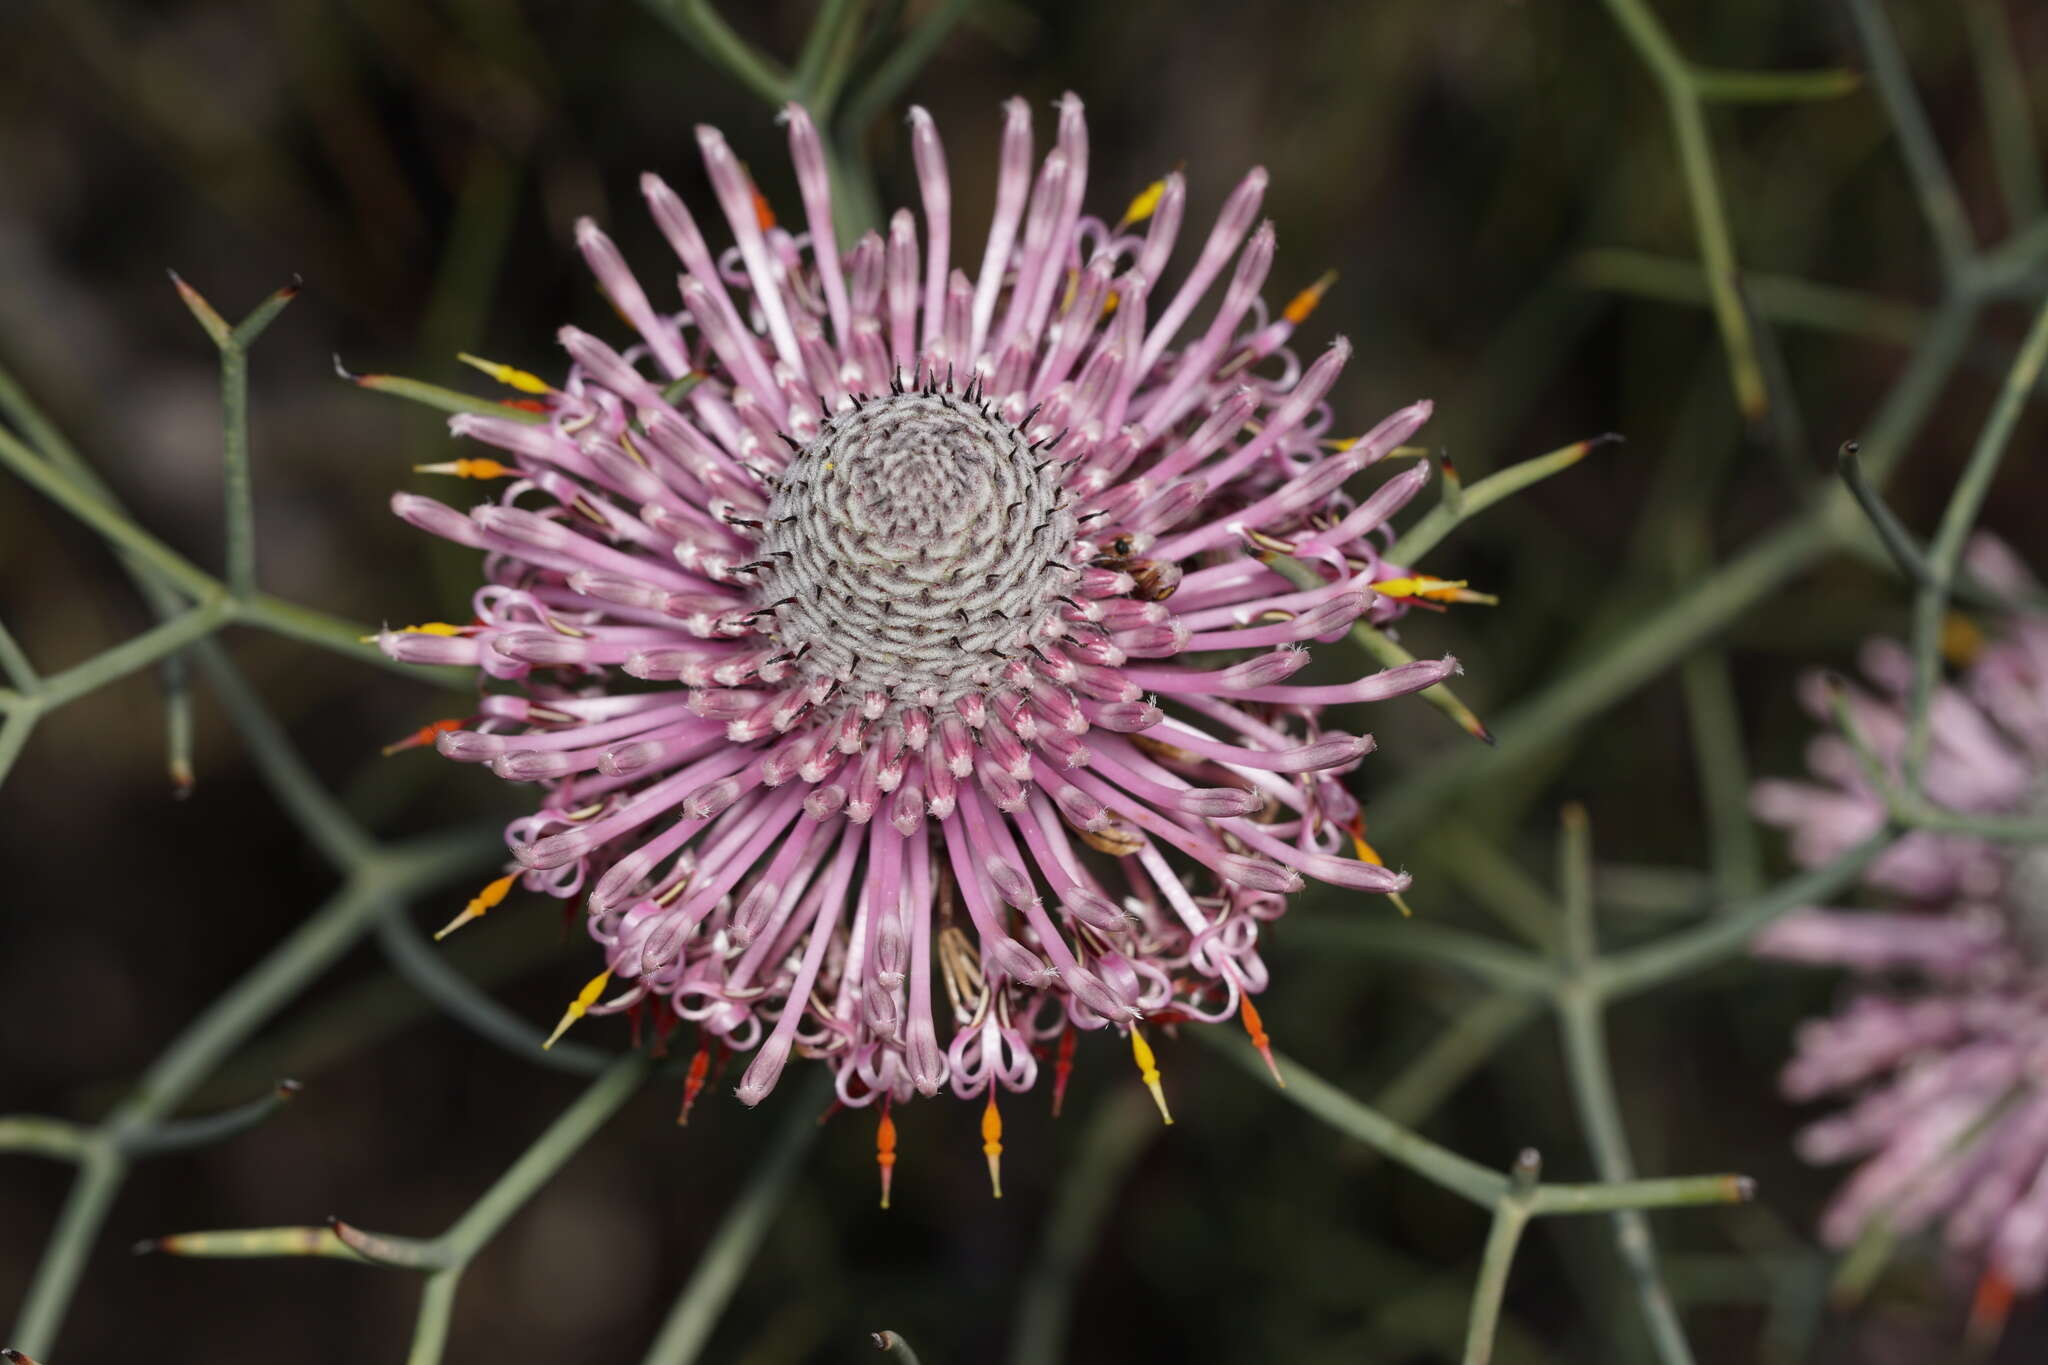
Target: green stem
x,y
1911,398
1460,1175
180,1135
440,398
231,1244
1419,539
233,344
456,1248
1780,298
41,432
63,1261
1697,613
82,495
309,625
1579,1013
1944,553
61,466
332,829
1580,945
240,491
166,563
1714,719
1500,965
732,1248
1648,889
436,1314
224,1025
703,28
1939,201
1715,723
838,67
856,207
1118,1134
1727,932
1382,647
1487,874
14,662
14,733
1674,79
2014,151
892,1343
1645,650
1772,87
1678,1192
548,1154
821,67
2014,265
1386,652
305,954
394,1253
178,723
1510,1217
905,60
1455,1053
1999,829
180,631
1897,541
459,998
34,1135
449,1254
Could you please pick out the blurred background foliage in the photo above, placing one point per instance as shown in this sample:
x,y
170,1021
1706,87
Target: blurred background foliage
x,y
1498,186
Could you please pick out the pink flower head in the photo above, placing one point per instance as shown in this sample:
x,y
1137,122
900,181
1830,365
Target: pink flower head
x,y
889,644
1944,1040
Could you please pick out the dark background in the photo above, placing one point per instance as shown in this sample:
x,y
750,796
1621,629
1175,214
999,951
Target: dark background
x,y
421,164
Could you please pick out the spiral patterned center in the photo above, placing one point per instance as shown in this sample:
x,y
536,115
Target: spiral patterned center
x,y
915,546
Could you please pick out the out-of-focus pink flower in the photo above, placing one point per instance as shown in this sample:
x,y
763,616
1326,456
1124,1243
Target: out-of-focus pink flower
x,y
1943,1044
861,622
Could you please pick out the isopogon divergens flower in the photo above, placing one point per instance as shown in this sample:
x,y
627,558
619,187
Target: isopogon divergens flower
x,y
1943,1040
891,644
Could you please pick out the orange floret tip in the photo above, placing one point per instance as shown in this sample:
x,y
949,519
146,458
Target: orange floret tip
x,y
423,736
693,1083
1302,304
885,1151
992,1142
1062,1069
480,904
1255,1028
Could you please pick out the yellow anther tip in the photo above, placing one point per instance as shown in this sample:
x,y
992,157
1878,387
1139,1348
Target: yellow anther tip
x,y
507,375
580,1006
1961,640
482,901
1148,1072
452,925
1159,1098
1143,204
